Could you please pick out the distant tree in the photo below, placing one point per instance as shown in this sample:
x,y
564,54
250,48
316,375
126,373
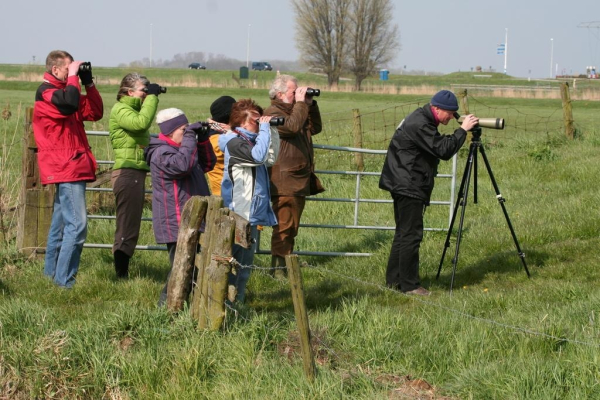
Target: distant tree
x,y
374,40
321,35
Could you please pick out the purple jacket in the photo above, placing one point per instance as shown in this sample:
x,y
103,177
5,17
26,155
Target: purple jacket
x,y
177,174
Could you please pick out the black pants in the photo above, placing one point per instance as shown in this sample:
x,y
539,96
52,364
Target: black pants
x,y
403,265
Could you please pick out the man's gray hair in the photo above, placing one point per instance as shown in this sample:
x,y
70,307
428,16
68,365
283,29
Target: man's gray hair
x,y
279,85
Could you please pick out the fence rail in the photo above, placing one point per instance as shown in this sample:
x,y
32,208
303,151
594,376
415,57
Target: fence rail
x,y
43,196
356,200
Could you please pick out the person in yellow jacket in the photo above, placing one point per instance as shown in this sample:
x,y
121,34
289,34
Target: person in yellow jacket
x,y
220,110
130,120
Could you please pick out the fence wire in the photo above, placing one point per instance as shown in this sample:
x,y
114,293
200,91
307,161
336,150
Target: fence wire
x,y
422,300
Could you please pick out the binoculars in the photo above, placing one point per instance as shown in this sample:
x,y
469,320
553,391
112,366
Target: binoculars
x,y
85,66
313,92
202,131
275,121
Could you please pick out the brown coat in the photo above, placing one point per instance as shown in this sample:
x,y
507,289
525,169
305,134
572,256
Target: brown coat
x,y
290,175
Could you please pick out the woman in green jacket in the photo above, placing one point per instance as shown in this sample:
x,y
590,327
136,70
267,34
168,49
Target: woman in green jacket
x,y
130,119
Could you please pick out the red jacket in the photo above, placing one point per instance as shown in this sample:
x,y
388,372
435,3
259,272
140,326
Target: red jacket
x,y
64,154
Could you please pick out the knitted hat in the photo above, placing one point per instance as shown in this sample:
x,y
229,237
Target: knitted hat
x,y
220,109
446,100
170,119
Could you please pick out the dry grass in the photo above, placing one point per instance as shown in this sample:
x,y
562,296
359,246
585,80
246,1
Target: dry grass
x,y
9,187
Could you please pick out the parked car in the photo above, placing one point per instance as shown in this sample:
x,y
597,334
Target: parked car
x,y
196,66
261,66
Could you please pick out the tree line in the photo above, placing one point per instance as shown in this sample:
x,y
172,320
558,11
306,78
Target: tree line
x,y
212,61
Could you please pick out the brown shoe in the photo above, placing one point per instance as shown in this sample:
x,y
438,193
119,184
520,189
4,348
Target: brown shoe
x,y
421,291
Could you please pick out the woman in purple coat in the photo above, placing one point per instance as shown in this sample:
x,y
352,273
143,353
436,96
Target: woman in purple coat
x,y
178,159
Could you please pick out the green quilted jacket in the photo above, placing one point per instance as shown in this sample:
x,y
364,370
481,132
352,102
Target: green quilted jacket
x,y
128,125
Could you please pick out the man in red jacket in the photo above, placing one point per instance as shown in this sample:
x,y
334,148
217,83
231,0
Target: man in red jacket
x,y
65,157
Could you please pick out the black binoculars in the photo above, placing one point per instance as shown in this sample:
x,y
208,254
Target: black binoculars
x,y
313,92
161,89
202,131
274,121
85,66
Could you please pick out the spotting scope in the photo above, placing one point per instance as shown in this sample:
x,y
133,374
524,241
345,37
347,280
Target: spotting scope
x,y
494,123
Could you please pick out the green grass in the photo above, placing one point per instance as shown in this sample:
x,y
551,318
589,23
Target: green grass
x,y
499,335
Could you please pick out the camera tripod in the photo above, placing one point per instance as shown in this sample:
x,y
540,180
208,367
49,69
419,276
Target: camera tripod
x,y
461,201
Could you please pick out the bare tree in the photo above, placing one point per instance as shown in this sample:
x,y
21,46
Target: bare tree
x,y
373,41
321,34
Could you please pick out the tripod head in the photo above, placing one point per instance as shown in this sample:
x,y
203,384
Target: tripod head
x,y
476,132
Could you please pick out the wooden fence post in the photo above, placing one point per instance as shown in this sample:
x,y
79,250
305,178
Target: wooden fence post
x,y
358,140
567,110
179,285
217,273
297,288
215,203
463,98
464,101
36,201
208,240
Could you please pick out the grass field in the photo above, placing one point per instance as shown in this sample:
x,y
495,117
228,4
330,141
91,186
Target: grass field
x,y
498,335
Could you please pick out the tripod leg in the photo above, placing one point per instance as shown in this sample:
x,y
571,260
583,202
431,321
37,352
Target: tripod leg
x,y
472,158
460,201
475,179
501,202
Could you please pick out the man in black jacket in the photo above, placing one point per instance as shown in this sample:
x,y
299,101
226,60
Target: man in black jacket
x,y
408,174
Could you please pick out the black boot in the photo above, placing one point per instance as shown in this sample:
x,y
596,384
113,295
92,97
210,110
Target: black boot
x,y
121,264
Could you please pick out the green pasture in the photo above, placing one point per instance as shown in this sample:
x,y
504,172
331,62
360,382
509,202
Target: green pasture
x,y
498,335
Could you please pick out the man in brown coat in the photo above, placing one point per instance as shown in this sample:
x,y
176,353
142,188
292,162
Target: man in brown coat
x,y
292,175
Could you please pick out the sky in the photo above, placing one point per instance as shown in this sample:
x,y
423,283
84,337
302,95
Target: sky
x,y
435,36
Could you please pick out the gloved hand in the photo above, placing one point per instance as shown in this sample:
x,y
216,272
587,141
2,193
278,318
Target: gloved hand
x,y
86,77
201,129
154,88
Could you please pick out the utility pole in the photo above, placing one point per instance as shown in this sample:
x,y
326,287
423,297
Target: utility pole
x,y
248,49
551,56
505,50
151,26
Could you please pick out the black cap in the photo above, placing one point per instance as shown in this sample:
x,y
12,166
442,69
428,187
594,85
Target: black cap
x,y
220,109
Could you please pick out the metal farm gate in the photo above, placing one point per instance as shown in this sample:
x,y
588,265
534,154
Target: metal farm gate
x,y
356,201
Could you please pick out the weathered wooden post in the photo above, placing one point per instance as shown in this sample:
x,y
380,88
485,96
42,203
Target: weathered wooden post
x,y
243,237
358,140
208,241
215,203
217,273
464,101
180,280
37,201
463,98
567,110
297,287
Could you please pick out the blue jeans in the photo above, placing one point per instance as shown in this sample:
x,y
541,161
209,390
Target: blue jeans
x,y
67,233
244,257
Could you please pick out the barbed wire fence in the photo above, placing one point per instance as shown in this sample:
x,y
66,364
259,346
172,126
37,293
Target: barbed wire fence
x,y
378,123
422,300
